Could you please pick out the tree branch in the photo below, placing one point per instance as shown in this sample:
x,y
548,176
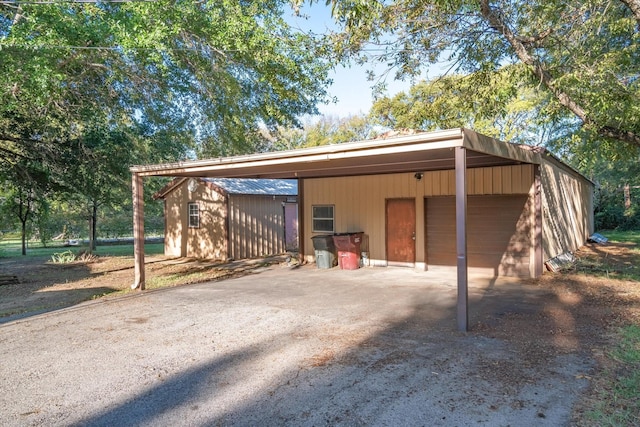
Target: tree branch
x,y
634,5
496,22
535,40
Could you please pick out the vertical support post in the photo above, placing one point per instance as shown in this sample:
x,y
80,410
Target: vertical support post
x,y
461,237
537,202
301,217
138,231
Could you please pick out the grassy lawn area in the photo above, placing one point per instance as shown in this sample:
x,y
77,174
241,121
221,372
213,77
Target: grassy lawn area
x,y
616,390
623,236
10,248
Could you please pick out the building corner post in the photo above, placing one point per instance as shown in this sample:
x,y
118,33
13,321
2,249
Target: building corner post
x,y
138,231
461,238
537,203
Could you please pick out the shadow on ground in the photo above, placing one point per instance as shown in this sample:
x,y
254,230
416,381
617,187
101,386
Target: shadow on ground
x,y
524,363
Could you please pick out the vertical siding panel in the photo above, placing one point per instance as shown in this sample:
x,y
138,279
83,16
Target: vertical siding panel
x,y
506,181
487,180
474,181
516,179
428,183
444,182
436,183
497,180
527,178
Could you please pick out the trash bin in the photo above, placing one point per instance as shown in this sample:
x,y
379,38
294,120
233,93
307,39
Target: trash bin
x,y
348,246
325,251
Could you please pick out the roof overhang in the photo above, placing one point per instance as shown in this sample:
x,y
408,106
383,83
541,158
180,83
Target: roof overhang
x,y
415,153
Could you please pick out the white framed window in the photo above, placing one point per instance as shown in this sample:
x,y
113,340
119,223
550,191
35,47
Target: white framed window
x,y
323,218
194,215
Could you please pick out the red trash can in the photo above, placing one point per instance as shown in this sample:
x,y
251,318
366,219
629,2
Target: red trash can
x,y
348,247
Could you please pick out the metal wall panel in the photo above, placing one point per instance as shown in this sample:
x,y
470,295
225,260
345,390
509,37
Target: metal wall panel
x,y
256,226
567,209
360,201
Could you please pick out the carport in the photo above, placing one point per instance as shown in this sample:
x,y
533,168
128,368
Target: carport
x,y
456,149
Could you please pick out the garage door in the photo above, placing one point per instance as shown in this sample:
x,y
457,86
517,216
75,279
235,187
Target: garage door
x,y
498,233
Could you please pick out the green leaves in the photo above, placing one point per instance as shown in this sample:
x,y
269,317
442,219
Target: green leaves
x,y
584,54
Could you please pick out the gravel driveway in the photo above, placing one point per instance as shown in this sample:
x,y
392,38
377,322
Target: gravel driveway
x,y
291,347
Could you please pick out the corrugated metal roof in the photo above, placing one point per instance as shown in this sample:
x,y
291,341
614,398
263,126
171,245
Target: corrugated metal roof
x,y
267,187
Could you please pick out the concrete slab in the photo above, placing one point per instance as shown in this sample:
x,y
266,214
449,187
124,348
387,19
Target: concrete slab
x,y
288,346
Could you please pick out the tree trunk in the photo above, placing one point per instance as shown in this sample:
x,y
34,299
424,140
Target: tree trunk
x,y
94,220
627,197
24,236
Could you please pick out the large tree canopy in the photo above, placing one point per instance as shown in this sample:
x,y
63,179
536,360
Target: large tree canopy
x,y
504,104
209,71
585,54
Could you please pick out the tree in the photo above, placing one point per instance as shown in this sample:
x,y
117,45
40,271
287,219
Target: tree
x,y
503,104
584,54
326,130
24,188
195,71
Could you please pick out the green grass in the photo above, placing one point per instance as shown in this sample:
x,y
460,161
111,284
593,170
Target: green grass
x,y
13,248
622,236
619,403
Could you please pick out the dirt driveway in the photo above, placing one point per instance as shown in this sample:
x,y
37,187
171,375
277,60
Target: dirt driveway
x,y
300,346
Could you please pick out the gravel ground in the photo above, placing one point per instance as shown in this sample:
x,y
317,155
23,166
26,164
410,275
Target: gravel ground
x,y
300,346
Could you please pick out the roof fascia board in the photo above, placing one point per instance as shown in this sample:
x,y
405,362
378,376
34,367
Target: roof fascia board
x,y
487,145
417,142
164,191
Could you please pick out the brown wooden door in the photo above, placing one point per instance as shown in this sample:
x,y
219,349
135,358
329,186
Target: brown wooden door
x,y
401,231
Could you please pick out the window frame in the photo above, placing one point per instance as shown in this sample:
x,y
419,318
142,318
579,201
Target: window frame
x,y
191,215
314,219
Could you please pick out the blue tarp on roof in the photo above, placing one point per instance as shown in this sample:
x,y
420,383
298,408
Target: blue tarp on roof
x,y
266,187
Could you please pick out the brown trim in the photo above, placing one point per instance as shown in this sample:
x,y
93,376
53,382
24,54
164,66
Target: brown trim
x,y
138,230
301,216
227,226
164,191
537,238
461,238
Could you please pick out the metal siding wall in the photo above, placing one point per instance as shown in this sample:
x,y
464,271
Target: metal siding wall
x,y
256,225
360,200
567,210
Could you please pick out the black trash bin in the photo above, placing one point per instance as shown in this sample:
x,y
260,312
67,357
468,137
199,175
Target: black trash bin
x,y
325,251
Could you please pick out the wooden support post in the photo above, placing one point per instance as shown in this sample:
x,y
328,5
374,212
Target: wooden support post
x,y
461,237
537,202
138,231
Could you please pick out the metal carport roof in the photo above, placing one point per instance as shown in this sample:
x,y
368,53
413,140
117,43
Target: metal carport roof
x,y
456,149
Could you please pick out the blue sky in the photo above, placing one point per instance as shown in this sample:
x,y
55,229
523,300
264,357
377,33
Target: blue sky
x,y
350,84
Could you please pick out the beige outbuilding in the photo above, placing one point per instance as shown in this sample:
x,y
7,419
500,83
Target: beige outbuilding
x,y
229,218
443,199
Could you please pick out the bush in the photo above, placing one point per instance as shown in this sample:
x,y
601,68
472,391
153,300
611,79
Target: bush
x,y
63,257
610,213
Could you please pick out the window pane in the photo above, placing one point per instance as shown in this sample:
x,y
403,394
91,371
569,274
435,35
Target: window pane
x,y
194,215
323,211
322,225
